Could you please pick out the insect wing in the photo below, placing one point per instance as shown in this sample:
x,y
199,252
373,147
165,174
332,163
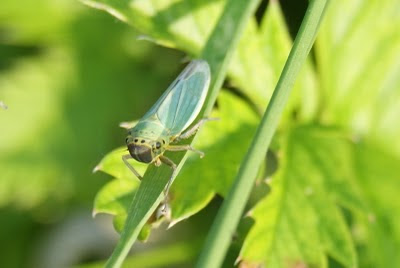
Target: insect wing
x,y
181,103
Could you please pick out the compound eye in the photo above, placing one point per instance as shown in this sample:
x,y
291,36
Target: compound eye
x,y
158,145
126,140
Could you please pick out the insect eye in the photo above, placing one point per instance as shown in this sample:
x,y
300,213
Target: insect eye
x,y
126,140
158,145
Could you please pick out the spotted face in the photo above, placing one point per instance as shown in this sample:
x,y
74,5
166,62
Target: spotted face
x,y
145,150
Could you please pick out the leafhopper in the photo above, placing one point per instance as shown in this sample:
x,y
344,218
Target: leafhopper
x,y
168,120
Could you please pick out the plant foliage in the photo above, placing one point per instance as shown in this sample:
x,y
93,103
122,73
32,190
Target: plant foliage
x,y
335,189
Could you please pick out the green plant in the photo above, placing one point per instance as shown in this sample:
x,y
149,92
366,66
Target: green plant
x,y
337,147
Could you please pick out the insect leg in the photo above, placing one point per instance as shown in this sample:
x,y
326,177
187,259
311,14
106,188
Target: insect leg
x,y
171,164
185,147
190,132
125,159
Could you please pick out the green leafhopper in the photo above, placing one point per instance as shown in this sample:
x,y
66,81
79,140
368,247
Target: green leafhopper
x,y
165,123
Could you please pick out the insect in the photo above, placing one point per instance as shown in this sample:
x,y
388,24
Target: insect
x,y
164,125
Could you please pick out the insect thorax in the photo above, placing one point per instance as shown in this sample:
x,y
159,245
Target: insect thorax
x,y
148,130
150,133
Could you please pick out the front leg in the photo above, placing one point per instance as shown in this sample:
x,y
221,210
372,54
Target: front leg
x,y
185,147
125,159
190,132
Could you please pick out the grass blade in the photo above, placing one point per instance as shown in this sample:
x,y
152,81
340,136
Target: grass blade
x,y
217,51
229,215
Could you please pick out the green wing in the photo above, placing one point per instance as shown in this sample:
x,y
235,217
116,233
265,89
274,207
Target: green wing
x,y
181,103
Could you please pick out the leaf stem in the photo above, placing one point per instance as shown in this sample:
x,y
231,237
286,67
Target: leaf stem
x,y
228,217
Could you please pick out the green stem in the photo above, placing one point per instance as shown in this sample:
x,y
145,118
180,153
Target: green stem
x,y
225,224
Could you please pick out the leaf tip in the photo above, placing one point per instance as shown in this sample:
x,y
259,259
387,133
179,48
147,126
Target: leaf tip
x,y
238,260
96,168
144,37
249,213
172,223
94,213
268,180
106,8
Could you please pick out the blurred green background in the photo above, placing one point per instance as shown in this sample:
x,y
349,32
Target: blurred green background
x,y
69,75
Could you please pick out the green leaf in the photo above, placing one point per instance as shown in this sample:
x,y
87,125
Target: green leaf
x,y
340,175
359,78
300,222
360,92
114,197
358,58
184,25
259,60
380,180
113,165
